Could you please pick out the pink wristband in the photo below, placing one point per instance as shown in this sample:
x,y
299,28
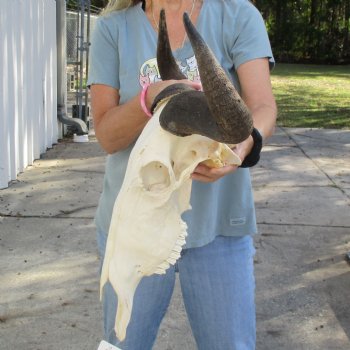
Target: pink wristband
x,y
143,100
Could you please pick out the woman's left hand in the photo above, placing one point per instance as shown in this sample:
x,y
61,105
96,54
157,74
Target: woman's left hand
x,y
205,174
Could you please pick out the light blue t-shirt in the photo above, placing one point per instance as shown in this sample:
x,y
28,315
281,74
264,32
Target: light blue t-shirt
x,y
123,56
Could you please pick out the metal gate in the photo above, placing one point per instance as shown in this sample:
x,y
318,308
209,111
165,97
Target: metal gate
x,y
81,17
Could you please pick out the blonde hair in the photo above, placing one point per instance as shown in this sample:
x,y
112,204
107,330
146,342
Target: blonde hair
x,y
115,5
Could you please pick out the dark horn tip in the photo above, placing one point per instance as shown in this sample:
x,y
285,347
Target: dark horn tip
x,y
168,68
187,21
162,20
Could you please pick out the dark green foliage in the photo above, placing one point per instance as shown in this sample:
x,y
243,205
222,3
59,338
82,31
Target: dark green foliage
x,y
99,3
308,31
96,5
303,31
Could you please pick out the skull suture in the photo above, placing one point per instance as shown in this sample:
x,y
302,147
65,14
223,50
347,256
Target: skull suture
x,y
147,233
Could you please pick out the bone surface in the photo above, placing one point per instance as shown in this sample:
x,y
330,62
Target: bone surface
x,y
147,233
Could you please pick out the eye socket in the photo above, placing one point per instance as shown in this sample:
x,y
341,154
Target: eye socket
x,y
155,176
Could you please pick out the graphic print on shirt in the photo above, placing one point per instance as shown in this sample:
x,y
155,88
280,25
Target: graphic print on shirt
x,y
192,72
149,72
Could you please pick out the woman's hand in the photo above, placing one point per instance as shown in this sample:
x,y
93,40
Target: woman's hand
x,y
243,149
205,174
155,88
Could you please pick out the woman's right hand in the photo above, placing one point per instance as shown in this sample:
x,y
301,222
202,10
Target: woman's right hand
x,y
156,88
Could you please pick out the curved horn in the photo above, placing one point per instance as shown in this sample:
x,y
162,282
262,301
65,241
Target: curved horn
x,y
167,65
228,109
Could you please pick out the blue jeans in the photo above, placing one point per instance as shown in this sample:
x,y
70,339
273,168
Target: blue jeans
x,y
218,287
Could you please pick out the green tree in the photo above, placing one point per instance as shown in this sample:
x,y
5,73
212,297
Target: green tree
x,y
314,31
99,3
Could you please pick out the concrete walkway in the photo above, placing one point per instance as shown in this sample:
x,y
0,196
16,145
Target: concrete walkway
x,y
49,265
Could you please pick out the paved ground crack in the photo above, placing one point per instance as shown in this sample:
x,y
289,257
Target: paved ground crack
x,y
314,162
63,214
300,224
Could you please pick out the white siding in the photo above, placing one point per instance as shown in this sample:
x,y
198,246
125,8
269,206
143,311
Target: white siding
x,y
28,105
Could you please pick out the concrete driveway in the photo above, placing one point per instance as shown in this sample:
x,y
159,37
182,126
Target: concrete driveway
x,y
49,265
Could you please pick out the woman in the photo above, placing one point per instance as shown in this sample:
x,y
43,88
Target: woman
x,y
216,266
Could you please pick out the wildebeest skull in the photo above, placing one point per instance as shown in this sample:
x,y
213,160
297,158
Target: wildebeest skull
x,y
188,127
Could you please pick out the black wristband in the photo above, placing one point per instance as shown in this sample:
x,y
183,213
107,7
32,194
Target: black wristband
x,y
253,157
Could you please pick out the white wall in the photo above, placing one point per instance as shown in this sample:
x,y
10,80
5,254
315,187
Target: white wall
x,y
28,108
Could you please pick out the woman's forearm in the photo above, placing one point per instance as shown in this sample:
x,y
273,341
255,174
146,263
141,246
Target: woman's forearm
x,y
264,118
120,125
257,93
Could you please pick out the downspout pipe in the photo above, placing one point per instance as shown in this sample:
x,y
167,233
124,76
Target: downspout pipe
x,y
61,38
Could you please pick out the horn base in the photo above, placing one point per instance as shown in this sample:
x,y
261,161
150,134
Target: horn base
x,y
188,113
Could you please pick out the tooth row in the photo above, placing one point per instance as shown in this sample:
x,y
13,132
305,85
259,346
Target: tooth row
x,y
171,260
159,271
174,255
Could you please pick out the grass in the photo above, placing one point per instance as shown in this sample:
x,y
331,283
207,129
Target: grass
x,y
312,96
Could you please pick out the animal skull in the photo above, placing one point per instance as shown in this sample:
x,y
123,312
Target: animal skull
x,y
147,233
